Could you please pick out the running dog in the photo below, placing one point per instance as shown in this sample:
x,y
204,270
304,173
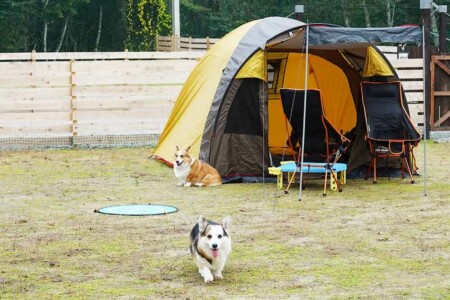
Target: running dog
x,y
191,171
210,247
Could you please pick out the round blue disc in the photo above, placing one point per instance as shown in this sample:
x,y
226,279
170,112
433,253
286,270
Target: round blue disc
x,y
137,210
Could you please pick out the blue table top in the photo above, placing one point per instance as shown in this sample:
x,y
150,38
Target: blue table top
x,y
313,167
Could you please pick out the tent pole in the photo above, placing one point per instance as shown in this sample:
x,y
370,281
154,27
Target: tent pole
x,y
424,115
304,113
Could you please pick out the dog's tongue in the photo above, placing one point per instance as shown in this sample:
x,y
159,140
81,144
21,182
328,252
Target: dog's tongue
x,y
215,252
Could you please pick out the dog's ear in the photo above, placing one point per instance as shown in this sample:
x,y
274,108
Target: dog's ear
x,y
226,223
177,148
187,149
202,223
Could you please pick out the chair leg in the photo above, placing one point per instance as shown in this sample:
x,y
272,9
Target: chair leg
x,y
335,179
286,191
325,183
409,170
403,166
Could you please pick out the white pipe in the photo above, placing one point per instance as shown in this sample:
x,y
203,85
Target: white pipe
x,y
176,17
424,117
304,113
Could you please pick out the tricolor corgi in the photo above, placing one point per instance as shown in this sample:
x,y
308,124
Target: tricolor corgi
x,y
210,247
191,171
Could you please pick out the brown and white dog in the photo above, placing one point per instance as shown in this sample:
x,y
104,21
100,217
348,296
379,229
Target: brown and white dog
x,y
210,247
191,171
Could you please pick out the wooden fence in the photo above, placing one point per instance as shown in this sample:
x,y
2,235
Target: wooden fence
x,y
173,43
87,94
75,95
410,72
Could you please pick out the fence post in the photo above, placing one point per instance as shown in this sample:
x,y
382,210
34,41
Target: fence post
x,y
33,56
173,43
207,43
126,55
73,103
190,43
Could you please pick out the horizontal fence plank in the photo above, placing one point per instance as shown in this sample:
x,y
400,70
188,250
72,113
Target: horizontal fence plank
x,y
414,97
415,63
126,90
157,104
120,78
390,56
411,86
133,66
42,80
46,93
35,130
52,56
173,43
30,106
114,127
388,49
27,68
35,118
410,74
119,116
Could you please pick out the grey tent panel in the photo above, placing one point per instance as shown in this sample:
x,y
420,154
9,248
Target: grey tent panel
x,y
319,35
256,38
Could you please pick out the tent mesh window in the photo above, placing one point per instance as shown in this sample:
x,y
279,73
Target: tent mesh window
x,y
241,117
273,67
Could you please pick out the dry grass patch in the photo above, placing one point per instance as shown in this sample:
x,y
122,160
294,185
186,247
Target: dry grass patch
x,y
370,241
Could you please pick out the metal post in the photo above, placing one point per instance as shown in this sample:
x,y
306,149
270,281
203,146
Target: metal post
x,y
299,11
304,112
442,9
425,17
424,120
176,17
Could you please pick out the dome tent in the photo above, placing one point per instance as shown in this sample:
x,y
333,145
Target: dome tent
x,y
230,111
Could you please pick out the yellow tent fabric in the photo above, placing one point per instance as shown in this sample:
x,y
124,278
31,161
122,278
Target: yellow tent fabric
x,y
254,67
337,98
194,101
375,64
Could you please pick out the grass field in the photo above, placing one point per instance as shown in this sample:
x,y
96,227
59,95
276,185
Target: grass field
x,y
370,241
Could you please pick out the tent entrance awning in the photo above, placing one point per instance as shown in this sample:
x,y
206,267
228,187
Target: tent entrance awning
x,y
333,37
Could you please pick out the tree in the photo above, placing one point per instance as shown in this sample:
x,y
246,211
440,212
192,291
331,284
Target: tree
x,y
56,14
13,22
146,20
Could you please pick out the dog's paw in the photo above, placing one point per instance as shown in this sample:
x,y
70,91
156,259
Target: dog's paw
x,y
218,276
188,184
208,278
179,184
199,184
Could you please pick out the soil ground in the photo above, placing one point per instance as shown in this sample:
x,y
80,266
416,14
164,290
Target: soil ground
x,y
371,241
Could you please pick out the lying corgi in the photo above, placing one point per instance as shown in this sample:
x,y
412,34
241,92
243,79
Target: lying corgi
x,y
191,171
210,247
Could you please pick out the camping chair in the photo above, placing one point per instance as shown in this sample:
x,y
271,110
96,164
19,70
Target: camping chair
x,y
322,142
389,130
